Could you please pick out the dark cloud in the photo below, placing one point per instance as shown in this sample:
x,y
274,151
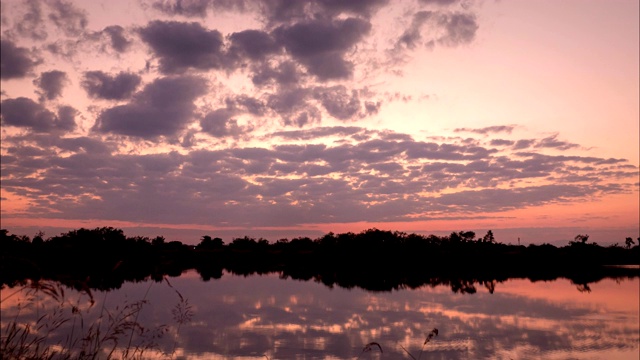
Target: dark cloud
x,y
196,8
119,42
51,84
220,123
66,49
67,118
506,199
285,74
15,62
247,104
31,24
309,115
355,7
377,179
84,144
292,104
163,108
181,46
110,87
26,113
254,44
523,144
321,45
319,132
432,150
412,35
501,142
287,100
338,102
272,11
371,107
287,11
553,142
460,28
430,27
199,8
71,20
439,2
487,130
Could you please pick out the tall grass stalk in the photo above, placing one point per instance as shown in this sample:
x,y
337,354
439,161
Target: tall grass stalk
x,y
114,334
431,334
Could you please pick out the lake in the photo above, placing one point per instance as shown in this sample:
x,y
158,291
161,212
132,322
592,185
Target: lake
x,y
264,316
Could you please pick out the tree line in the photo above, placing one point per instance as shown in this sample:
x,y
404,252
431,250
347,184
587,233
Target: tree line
x,y
373,259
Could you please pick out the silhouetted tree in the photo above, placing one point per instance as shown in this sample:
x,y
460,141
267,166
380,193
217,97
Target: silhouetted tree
x,y
206,242
159,240
579,240
38,238
462,236
629,242
489,238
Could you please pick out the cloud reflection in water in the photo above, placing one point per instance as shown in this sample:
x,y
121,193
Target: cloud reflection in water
x,y
264,315
258,316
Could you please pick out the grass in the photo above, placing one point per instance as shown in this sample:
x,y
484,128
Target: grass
x,y
47,324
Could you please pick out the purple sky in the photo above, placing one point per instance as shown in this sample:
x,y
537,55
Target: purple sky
x,y
288,118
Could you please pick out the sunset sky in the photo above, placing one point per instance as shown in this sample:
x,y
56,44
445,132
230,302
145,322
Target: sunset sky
x,y
280,118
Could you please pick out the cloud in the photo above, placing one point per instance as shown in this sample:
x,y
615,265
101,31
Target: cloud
x,y
118,41
439,2
51,84
285,74
71,20
247,104
26,113
489,129
66,118
31,25
319,132
553,142
321,45
505,199
430,27
197,8
163,108
501,142
292,104
110,87
523,144
355,7
338,102
412,36
384,177
284,11
220,123
254,44
15,62
460,28
83,144
182,46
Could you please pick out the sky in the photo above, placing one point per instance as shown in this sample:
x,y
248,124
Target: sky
x,y
279,119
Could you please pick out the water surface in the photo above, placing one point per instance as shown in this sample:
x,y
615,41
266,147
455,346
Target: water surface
x,y
268,317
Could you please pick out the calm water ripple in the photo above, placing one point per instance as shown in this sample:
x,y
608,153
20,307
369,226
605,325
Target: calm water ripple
x,y
267,317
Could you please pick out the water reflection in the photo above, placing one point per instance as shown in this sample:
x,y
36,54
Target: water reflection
x,y
258,316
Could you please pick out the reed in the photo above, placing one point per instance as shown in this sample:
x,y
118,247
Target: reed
x,y
72,328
